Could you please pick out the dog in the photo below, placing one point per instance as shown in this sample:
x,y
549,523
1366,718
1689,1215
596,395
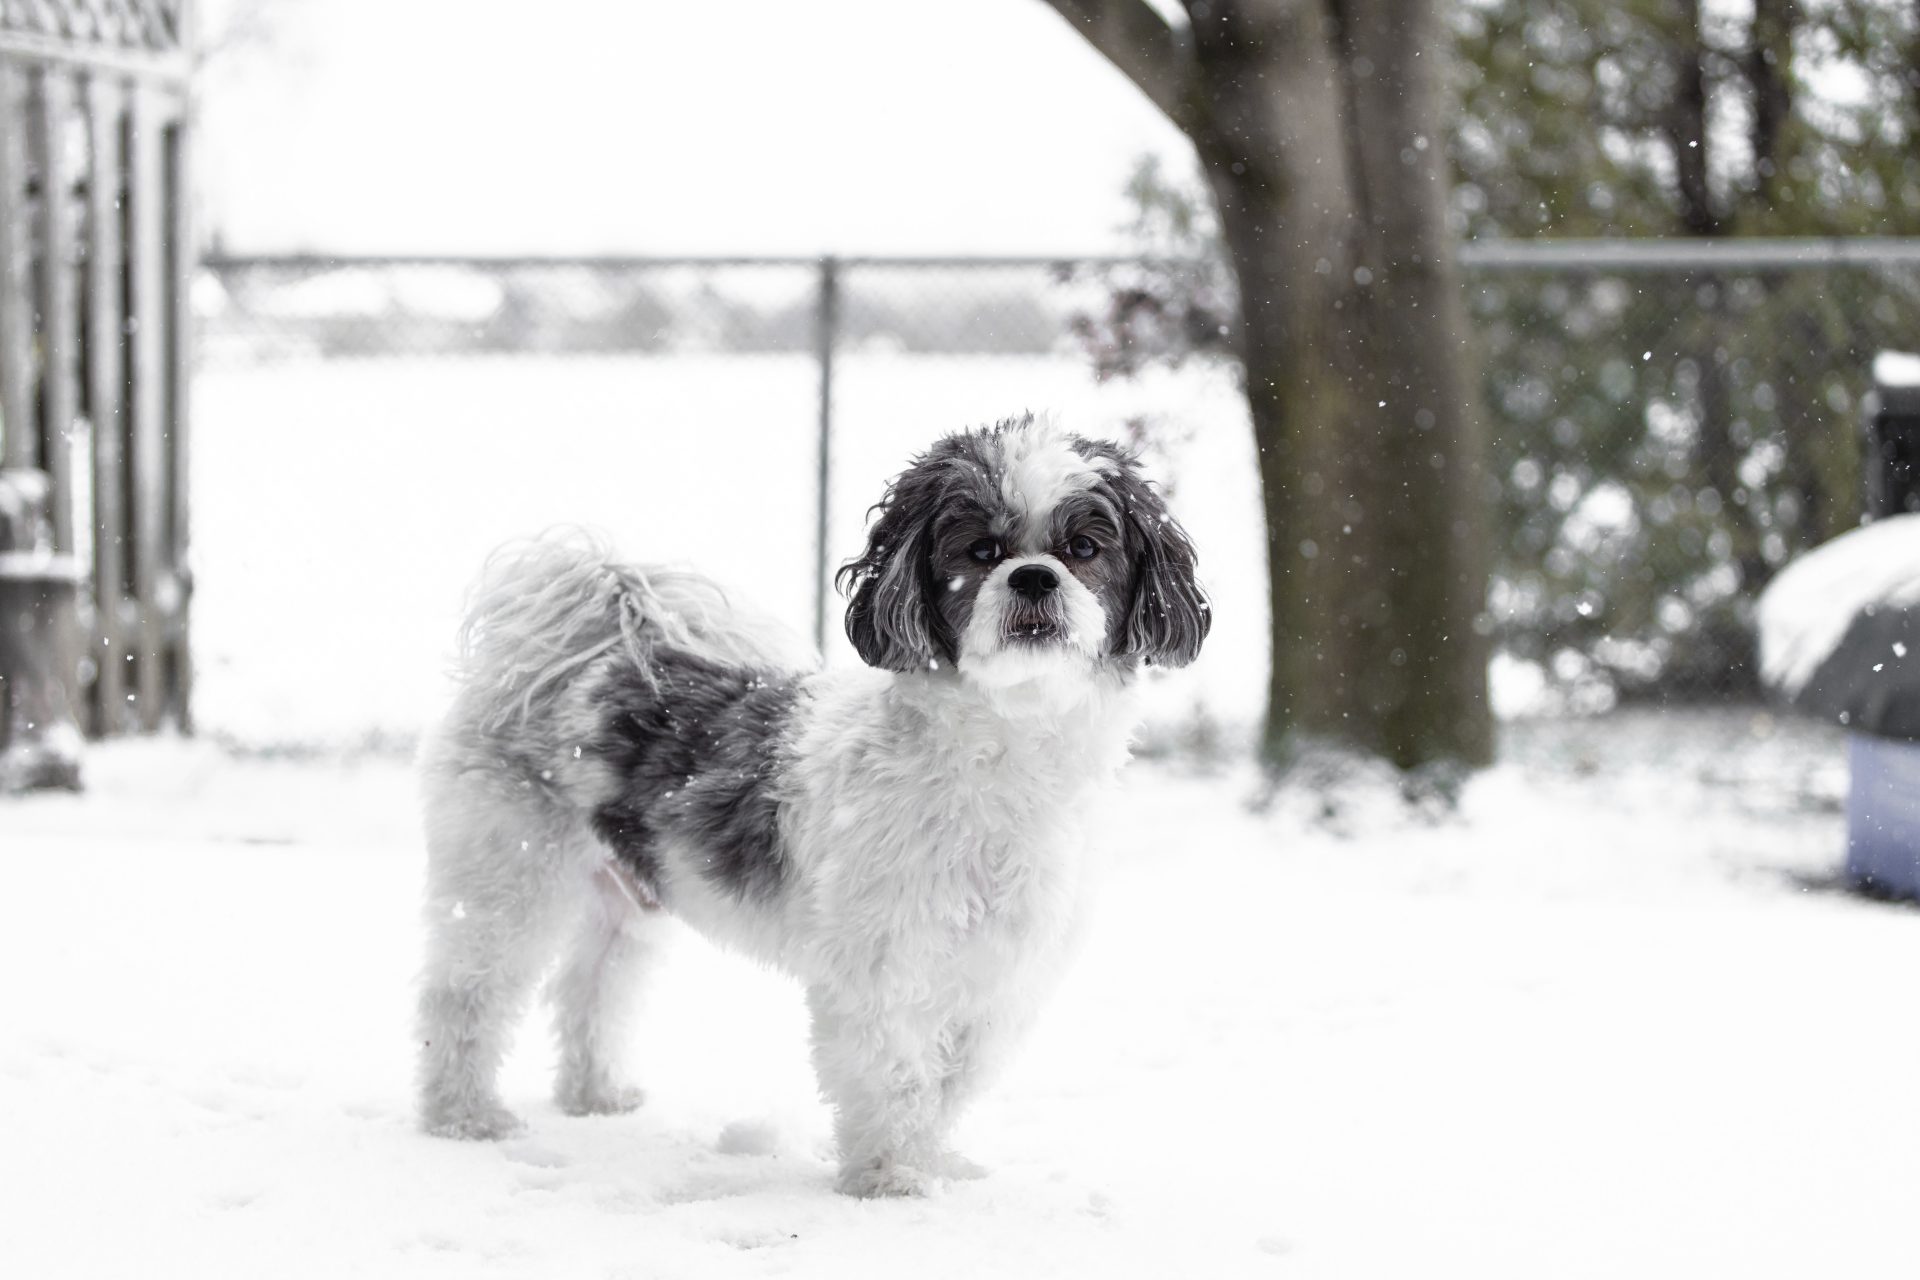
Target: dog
x,y
906,838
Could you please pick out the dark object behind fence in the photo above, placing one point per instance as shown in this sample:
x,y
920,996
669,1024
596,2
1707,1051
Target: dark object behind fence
x,y
95,260
1840,631
1893,439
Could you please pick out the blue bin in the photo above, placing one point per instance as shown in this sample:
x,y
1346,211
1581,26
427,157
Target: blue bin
x,y
1883,816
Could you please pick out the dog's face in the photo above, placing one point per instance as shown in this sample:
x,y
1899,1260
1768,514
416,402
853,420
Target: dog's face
x,y
1010,551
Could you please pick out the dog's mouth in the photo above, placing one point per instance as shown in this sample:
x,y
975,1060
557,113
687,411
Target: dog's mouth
x,y
1033,631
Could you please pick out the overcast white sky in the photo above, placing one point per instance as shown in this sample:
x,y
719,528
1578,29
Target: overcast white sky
x,y
749,126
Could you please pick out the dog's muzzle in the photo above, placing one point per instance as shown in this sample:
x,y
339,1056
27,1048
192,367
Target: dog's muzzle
x,y
1034,615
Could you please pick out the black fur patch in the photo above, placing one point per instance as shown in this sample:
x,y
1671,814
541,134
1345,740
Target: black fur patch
x,y
1167,616
902,616
700,751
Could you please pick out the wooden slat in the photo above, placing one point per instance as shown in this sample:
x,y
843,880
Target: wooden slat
x,y
59,318
16,319
106,380
147,314
168,67
179,422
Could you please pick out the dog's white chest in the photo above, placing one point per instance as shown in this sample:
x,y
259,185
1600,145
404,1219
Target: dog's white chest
x,y
937,846
1021,911
962,889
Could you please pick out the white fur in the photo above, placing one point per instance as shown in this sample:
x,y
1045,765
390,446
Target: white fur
x,y
988,660
1042,467
932,825
938,841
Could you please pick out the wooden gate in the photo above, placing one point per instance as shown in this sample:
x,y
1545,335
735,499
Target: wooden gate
x,y
95,255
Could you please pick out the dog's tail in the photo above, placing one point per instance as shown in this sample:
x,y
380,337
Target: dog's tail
x,y
545,609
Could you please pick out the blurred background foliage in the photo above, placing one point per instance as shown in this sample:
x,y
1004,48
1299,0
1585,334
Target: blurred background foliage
x,y
1663,441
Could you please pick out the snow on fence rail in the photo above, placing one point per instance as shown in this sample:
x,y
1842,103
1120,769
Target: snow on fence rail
x,y
1670,421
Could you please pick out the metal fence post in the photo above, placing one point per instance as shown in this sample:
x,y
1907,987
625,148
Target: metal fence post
x,y
18,429
826,324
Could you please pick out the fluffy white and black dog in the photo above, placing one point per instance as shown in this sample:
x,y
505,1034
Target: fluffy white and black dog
x,y
907,840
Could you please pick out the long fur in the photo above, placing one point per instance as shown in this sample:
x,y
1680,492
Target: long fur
x,y
545,608
906,840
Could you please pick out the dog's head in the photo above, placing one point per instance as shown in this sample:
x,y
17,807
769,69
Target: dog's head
x,y
1008,551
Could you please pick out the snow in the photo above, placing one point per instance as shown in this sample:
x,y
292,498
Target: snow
x,y
1805,611
1896,369
371,292
1604,1022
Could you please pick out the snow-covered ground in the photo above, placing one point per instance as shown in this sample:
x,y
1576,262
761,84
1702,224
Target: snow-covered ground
x,y
1605,1022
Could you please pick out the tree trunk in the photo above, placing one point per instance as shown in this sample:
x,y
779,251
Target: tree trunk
x,y
1766,66
1686,125
1271,149
1430,487
1321,131
1913,61
1331,188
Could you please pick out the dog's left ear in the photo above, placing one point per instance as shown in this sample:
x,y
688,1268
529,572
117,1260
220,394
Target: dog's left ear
x,y
890,618
1168,615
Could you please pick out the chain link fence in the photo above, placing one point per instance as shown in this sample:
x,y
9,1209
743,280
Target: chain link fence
x,y
1670,423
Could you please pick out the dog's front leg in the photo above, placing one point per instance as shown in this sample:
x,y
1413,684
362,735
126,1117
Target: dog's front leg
x,y
883,1078
972,1053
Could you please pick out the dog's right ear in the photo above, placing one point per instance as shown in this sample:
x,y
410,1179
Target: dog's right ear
x,y
890,618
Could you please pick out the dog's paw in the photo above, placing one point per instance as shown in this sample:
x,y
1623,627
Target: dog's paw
x,y
599,1099
882,1179
475,1124
951,1164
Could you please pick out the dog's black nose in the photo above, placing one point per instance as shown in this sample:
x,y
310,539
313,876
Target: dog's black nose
x,y
1033,581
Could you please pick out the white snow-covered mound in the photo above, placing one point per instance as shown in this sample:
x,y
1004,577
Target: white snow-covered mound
x,y
1896,369
1806,611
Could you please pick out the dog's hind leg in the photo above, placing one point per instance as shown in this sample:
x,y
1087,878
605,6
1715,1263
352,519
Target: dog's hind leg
x,y
497,874
593,993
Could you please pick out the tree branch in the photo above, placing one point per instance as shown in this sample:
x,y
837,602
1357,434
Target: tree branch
x,y
1686,124
1133,36
1767,66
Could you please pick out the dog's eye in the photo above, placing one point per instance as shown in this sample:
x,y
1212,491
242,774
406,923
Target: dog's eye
x,y
1083,548
985,550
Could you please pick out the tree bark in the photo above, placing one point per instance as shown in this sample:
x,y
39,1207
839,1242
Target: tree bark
x,y
1273,153
1308,117
1766,66
1428,478
1913,61
1686,124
